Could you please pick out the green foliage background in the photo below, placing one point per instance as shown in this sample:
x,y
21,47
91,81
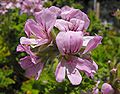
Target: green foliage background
x,y
12,80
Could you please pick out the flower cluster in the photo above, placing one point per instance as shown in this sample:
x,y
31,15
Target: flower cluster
x,y
30,6
5,5
69,43
25,6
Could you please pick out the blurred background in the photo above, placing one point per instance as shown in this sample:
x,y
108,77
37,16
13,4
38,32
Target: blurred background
x,y
105,21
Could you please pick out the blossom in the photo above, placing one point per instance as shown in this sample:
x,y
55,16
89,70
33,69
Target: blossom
x,y
69,44
107,89
31,64
30,6
39,29
5,5
38,34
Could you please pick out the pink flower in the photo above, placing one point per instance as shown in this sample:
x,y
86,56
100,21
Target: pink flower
x,y
69,44
31,64
107,89
38,33
5,5
30,6
39,29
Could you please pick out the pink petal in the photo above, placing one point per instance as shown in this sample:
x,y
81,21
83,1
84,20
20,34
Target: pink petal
x,y
83,66
35,42
88,66
68,13
78,25
86,39
39,68
63,25
55,10
93,43
60,71
20,48
31,69
31,27
74,77
60,41
46,20
24,40
27,49
66,8
72,73
107,89
71,43
26,62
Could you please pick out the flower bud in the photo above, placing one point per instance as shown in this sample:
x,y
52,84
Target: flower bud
x,y
107,89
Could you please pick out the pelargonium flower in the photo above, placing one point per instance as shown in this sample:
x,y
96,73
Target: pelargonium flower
x,y
31,69
70,44
5,5
38,33
107,89
31,64
30,6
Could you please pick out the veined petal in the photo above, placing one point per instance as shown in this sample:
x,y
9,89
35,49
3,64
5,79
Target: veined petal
x,y
27,49
55,10
24,40
82,65
26,62
68,13
20,48
93,43
46,20
78,25
69,42
31,27
74,76
60,71
36,42
63,25
86,39
60,42
72,73
31,69
39,68
82,16
88,66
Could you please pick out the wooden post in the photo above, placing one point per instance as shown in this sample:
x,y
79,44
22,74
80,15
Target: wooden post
x,y
98,9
